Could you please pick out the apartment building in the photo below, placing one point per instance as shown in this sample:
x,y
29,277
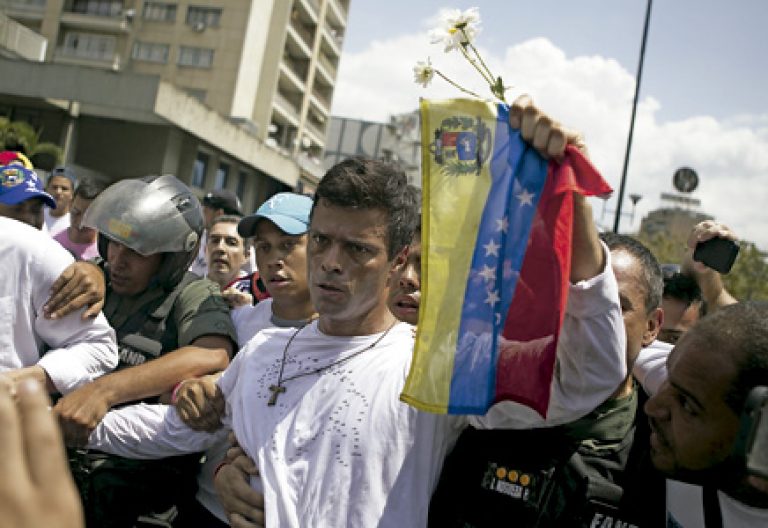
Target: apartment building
x,y
268,66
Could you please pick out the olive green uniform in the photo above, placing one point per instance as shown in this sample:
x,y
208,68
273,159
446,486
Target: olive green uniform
x,y
117,490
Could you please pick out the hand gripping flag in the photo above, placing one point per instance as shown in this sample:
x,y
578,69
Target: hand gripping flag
x,y
496,253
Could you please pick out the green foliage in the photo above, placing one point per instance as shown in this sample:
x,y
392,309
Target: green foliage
x,y
22,137
748,280
666,249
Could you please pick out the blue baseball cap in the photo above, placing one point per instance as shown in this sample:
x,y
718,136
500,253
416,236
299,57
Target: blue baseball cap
x,y
18,184
288,211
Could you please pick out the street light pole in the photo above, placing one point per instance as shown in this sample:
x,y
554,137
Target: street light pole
x,y
623,183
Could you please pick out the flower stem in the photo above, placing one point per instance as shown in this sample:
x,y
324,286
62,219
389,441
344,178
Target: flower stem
x,y
455,85
472,61
477,54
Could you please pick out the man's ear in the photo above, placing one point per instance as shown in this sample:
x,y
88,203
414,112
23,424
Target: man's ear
x,y
401,258
653,326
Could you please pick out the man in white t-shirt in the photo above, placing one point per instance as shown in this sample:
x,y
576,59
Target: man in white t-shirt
x,y
63,354
60,185
279,229
695,419
318,409
215,203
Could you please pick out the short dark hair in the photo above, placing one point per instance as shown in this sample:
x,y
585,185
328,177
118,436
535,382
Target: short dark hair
x,y
414,194
654,284
226,219
741,330
89,189
373,184
683,288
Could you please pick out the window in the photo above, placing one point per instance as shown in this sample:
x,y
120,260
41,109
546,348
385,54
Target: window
x,y
195,57
242,177
89,45
150,52
159,11
222,175
98,7
203,17
196,93
199,168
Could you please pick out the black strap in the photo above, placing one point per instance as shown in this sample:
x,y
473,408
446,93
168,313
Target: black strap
x,y
712,516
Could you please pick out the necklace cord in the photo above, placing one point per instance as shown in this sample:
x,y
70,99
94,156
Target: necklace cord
x,y
280,379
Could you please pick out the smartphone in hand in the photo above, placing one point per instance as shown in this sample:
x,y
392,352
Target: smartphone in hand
x,y
717,253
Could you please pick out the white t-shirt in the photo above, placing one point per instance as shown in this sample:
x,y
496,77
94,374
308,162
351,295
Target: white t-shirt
x,y
685,508
249,321
79,351
650,367
199,266
339,448
53,225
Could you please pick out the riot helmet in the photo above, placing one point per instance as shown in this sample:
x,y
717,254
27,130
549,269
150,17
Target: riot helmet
x,y
156,214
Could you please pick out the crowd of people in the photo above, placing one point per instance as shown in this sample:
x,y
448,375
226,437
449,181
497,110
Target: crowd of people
x,y
209,368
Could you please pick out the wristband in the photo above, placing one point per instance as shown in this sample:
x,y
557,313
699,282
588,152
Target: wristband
x,y
175,393
218,468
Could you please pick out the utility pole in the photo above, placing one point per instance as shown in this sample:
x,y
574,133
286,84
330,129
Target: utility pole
x,y
623,183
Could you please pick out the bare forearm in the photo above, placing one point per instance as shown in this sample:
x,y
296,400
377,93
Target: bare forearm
x,y
588,259
36,373
160,375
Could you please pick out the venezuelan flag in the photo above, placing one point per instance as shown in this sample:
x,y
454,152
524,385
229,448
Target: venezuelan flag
x,y
496,248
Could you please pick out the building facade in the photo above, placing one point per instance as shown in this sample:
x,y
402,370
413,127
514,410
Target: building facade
x,y
267,66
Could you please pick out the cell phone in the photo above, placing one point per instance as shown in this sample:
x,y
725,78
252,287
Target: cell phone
x,y
717,253
751,446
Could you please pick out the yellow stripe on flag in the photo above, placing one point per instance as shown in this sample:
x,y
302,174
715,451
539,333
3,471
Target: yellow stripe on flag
x,y
453,195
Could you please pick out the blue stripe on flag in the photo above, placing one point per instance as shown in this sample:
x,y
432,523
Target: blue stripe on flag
x,y
501,243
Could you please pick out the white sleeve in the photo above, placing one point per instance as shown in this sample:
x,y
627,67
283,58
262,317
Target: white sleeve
x,y
149,432
591,358
650,368
79,351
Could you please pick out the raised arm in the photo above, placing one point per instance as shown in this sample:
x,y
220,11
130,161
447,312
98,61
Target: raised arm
x,y
710,281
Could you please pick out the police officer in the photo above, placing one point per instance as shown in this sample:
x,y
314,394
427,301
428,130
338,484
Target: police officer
x,y
171,325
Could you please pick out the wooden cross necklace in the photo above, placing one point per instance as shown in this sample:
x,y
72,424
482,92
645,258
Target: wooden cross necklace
x,y
279,387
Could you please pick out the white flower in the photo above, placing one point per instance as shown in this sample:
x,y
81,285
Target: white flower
x,y
423,73
457,28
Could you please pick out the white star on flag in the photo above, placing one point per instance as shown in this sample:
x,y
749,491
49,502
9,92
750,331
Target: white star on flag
x,y
502,225
493,298
488,273
491,248
525,198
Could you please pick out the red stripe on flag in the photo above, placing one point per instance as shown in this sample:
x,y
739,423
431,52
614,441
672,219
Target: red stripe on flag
x,y
528,349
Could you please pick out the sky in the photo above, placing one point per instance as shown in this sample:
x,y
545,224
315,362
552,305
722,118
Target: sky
x,y
701,101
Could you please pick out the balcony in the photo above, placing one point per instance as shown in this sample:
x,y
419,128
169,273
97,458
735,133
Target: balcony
x,y
333,39
315,130
21,41
286,109
105,61
305,34
327,68
24,10
321,101
98,15
336,14
311,8
299,67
